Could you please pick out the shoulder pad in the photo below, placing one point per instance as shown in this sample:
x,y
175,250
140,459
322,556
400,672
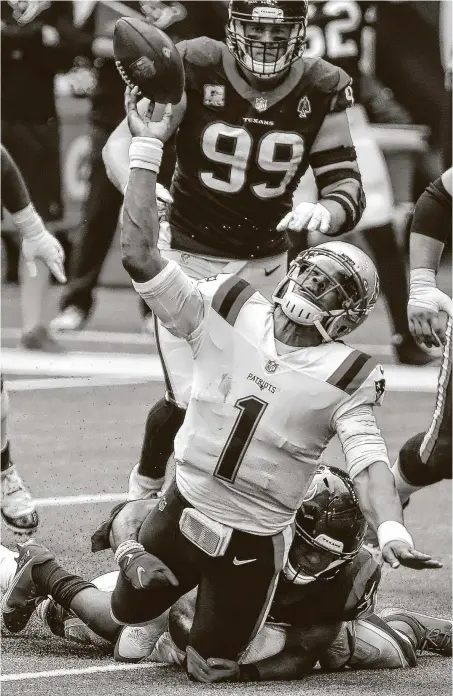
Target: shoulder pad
x,y
326,77
201,52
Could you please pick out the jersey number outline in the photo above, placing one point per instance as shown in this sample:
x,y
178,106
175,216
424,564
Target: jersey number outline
x,y
251,410
237,158
332,42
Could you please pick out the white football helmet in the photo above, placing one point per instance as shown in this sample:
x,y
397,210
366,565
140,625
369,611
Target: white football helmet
x,y
333,286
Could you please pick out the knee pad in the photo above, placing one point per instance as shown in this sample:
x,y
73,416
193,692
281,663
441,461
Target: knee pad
x,y
377,646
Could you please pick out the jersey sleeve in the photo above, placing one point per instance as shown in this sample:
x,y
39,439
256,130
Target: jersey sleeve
x,y
175,299
355,424
361,601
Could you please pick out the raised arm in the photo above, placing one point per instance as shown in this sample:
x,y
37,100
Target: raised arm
x,y
173,297
116,150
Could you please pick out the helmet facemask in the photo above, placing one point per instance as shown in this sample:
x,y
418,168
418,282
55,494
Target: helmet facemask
x,y
314,559
323,289
265,58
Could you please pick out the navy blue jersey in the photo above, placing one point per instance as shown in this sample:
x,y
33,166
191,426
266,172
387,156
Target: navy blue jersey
x,y
241,152
349,594
342,32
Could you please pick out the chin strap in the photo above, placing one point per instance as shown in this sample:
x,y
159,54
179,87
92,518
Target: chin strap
x,y
322,331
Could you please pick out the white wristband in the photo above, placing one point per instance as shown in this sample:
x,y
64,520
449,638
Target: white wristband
x,y
425,277
393,531
28,222
145,153
125,547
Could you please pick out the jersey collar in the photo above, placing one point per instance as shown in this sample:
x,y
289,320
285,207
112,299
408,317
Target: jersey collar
x,y
251,94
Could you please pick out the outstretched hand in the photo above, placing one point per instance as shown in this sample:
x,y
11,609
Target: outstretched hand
x,y
142,124
397,553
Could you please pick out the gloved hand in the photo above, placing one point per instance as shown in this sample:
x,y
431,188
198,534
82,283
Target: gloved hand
x,y
44,246
141,568
425,303
310,216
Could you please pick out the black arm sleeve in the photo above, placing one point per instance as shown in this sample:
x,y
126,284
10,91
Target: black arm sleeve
x,y
432,213
15,194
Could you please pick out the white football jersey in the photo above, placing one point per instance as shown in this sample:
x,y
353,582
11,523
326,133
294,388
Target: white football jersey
x,y
257,422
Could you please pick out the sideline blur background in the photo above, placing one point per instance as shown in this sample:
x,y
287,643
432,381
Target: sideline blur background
x,y
413,60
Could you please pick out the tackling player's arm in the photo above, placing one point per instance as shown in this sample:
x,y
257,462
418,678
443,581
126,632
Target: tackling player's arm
x,y
368,465
302,650
333,160
37,242
430,226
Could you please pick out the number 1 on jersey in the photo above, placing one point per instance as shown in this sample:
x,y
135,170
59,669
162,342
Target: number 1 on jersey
x,y
251,410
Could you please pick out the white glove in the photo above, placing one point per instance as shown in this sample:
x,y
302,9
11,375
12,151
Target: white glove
x,y
425,303
44,246
310,216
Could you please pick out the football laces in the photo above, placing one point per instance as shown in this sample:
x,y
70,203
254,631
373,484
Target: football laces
x,y
125,78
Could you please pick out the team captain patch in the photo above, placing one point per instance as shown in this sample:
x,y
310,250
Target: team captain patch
x,y
214,95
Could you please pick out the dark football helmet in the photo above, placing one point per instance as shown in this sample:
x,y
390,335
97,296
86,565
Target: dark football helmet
x,y
329,528
266,58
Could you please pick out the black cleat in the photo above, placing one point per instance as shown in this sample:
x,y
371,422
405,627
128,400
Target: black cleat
x,y
433,634
18,602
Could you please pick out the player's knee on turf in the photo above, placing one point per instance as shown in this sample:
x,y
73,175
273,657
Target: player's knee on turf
x,y
377,646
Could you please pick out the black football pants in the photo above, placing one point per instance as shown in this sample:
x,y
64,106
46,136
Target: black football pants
x,y
234,591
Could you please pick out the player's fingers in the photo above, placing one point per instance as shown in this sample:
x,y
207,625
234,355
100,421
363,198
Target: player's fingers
x,y
166,118
314,222
325,224
389,556
149,112
31,267
57,269
283,224
300,220
437,332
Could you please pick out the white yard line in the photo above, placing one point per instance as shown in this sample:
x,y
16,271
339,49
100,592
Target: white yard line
x,y
22,676
59,501
138,339
137,366
18,385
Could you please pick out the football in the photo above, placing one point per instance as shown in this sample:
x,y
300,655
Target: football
x,y
148,59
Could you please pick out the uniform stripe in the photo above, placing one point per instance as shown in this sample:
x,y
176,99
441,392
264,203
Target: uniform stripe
x,y
352,372
444,382
282,544
336,175
229,300
167,380
333,156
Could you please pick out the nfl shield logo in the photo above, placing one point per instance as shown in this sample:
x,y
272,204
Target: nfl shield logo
x,y
214,95
166,52
270,366
162,503
260,104
304,108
